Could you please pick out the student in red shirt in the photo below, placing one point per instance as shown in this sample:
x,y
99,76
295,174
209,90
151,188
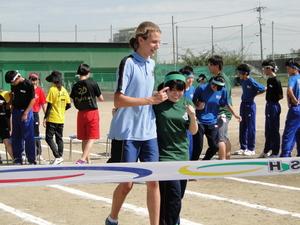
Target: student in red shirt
x,y
40,100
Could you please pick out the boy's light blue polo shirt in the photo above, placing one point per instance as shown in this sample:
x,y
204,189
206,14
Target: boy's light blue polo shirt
x,y
135,78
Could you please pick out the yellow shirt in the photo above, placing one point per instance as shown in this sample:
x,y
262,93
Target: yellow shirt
x,y
6,95
59,99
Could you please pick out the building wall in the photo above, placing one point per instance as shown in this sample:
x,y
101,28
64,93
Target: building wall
x,y
27,57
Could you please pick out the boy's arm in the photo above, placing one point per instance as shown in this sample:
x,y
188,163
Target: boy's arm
x,y
121,100
280,92
291,96
49,106
29,107
229,107
259,87
100,98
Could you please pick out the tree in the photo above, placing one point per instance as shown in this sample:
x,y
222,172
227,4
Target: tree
x,y
229,58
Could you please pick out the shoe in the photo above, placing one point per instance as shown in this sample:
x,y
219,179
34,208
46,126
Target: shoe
x,y
80,162
57,161
23,159
17,162
239,152
107,222
264,155
273,156
249,152
40,158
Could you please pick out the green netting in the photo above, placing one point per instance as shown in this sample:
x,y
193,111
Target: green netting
x,y
162,69
107,80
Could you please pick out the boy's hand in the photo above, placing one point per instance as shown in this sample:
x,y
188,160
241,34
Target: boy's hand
x,y
200,105
24,117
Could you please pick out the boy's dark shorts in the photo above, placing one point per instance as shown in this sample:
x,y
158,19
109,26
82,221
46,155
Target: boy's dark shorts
x,y
4,129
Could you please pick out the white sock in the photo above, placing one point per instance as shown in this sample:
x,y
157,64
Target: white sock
x,y
112,220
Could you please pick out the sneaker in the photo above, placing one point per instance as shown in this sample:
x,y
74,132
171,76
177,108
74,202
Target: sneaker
x,y
80,162
249,152
40,158
23,159
239,152
264,155
57,161
107,222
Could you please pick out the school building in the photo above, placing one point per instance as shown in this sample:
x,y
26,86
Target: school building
x,y
104,58
43,57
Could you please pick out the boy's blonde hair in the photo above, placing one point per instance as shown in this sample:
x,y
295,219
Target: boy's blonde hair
x,y
143,30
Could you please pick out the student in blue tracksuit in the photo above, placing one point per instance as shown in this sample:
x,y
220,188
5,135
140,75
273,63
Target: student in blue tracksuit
x,y
208,99
188,94
292,123
272,111
251,88
22,117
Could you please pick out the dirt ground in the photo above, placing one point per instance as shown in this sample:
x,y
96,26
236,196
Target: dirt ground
x,y
60,207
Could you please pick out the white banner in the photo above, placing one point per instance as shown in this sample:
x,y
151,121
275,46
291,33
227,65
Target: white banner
x,y
139,172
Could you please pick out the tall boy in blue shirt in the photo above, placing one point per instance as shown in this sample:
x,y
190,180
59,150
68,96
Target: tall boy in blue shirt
x,y
292,123
251,88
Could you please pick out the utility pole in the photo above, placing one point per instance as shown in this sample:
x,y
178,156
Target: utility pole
x,y
173,39
212,41
75,32
242,42
273,40
0,32
39,32
111,33
177,56
259,10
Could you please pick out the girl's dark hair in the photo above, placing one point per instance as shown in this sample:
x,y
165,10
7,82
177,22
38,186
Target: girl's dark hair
x,y
269,62
56,78
143,30
219,79
83,69
186,70
292,63
244,68
178,85
216,60
172,84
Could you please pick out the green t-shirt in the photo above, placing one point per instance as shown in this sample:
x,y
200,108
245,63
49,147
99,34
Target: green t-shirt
x,y
172,123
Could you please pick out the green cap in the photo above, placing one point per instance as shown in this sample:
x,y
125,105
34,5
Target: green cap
x,y
176,76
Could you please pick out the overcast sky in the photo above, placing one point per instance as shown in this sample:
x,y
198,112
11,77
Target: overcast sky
x,y
57,19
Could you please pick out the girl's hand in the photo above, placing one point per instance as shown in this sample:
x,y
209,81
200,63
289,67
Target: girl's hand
x,y
190,111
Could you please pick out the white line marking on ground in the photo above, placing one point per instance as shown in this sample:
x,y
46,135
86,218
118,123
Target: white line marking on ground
x,y
263,183
137,210
243,203
25,216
